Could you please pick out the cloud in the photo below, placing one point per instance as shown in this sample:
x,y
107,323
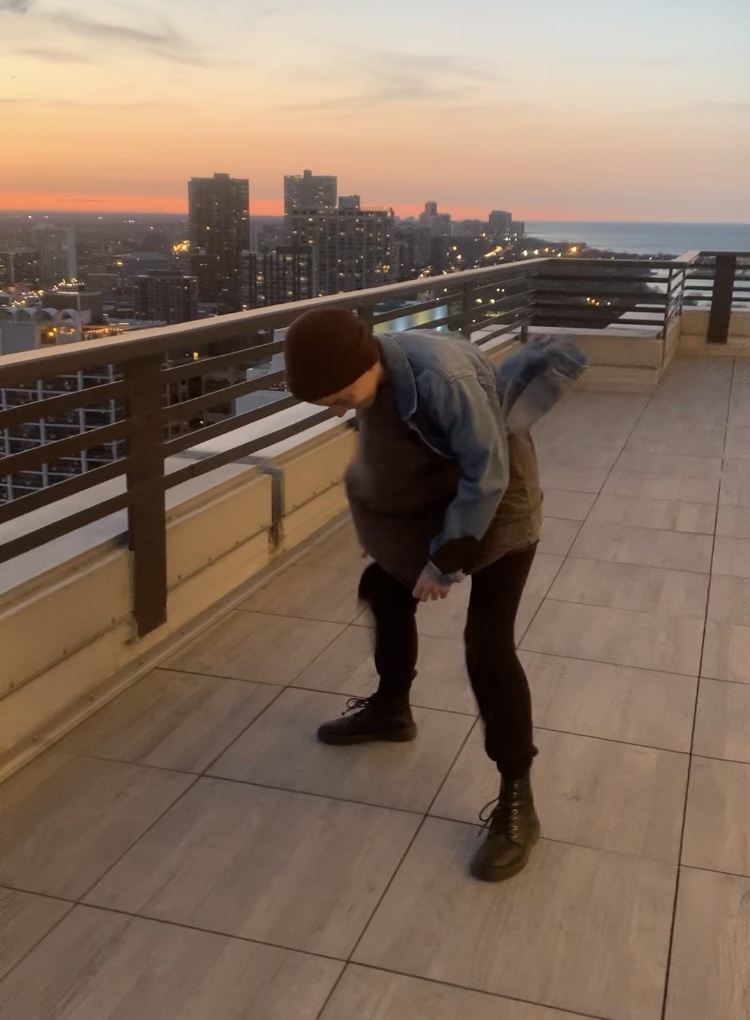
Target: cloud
x,y
84,104
52,56
159,38
391,78
99,30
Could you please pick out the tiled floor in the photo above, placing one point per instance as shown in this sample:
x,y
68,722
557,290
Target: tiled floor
x,y
192,852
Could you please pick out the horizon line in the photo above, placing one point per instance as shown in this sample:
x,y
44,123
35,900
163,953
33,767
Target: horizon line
x,y
154,212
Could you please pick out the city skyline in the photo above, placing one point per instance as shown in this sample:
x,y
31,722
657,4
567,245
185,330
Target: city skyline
x,y
556,111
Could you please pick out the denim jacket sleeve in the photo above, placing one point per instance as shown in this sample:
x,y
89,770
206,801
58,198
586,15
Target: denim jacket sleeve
x,y
461,409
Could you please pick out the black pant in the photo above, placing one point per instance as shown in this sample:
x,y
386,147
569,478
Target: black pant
x,y
497,676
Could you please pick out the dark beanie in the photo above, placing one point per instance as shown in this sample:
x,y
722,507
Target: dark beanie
x,y
325,350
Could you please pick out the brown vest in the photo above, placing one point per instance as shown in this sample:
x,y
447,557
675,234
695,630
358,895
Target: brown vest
x,y
399,489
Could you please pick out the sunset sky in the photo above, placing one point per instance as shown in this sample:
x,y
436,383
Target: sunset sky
x,y
555,109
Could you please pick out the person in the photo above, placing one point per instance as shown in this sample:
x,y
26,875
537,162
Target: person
x,y
439,491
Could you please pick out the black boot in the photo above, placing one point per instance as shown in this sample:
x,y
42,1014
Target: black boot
x,y
513,830
373,718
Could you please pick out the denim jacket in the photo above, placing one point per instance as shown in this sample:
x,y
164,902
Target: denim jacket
x,y
462,407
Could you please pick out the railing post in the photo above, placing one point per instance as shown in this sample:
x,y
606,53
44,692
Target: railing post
x,y
366,314
147,524
721,301
467,309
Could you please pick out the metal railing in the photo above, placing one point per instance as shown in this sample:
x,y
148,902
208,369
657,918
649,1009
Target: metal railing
x,y
177,387
150,426
720,279
586,293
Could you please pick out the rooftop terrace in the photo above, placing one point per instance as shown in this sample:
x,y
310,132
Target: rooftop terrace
x,y
191,851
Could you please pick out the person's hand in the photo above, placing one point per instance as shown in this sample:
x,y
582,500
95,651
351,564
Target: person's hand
x,y
428,588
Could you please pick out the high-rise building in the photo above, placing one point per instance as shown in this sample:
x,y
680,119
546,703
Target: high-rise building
x,y
57,253
166,296
276,277
309,191
438,223
219,228
413,248
500,222
19,266
354,248
26,329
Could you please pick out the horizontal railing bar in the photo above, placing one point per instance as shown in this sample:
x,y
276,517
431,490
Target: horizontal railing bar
x,y
507,328
49,532
725,254
202,366
597,315
221,428
650,298
583,278
509,299
406,310
34,410
447,320
197,333
60,490
185,408
48,453
217,460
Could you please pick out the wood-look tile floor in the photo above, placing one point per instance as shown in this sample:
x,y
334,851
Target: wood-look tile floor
x,y
192,853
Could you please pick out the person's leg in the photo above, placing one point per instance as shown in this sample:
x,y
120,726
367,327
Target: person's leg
x,y
386,714
502,692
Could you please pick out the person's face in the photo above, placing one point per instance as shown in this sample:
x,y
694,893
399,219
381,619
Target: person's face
x,y
358,396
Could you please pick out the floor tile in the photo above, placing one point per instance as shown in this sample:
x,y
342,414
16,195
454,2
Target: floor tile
x,y
733,521
310,593
347,667
294,870
282,749
722,721
698,445
666,514
648,547
732,558
590,792
341,552
645,485
368,994
736,469
710,968
737,441
172,720
729,600
664,643
670,464
24,920
717,823
256,646
558,536
629,586
570,479
447,617
580,929
726,652
570,506
99,964
72,818
595,699
572,452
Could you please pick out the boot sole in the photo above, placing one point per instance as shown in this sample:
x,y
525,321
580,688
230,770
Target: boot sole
x,y
501,874
401,737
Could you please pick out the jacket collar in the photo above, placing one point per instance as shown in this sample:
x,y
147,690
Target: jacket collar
x,y
401,375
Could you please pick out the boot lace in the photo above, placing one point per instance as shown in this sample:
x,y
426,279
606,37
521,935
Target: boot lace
x,y
356,705
501,815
